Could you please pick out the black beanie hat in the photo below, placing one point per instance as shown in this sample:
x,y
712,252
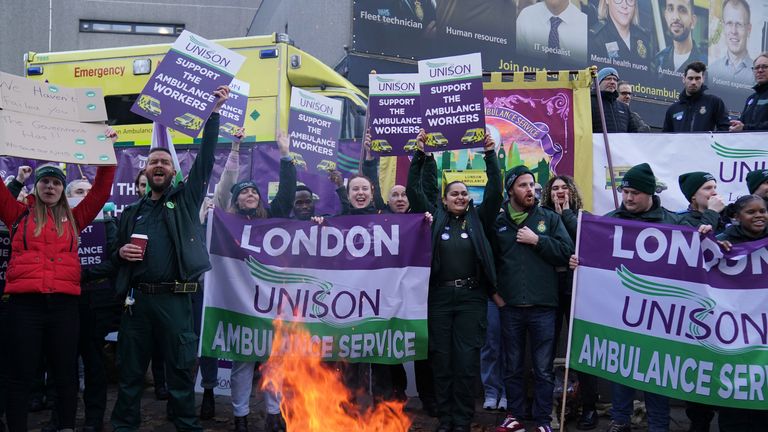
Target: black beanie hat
x,y
692,181
238,187
755,179
640,177
50,171
513,174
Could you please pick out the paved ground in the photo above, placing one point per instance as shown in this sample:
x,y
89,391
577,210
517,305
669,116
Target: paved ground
x,y
154,419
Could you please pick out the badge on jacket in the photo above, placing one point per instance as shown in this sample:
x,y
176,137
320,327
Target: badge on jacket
x,y
703,110
170,205
542,227
642,51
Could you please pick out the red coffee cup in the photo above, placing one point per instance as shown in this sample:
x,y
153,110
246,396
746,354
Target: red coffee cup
x,y
140,240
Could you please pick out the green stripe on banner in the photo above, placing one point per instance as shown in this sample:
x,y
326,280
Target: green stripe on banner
x,y
235,336
679,370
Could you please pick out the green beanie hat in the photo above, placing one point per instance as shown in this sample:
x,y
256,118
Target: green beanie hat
x,y
755,179
50,171
692,181
640,177
514,174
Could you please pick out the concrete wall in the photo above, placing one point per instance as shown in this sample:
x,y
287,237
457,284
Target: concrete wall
x,y
24,25
320,27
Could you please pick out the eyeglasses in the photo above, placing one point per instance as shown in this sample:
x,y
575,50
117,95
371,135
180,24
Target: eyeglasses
x,y
628,2
625,93
759,67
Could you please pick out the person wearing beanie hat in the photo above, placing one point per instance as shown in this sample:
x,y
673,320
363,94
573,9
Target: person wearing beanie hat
x,y
705,205
757,183
529,243
640,204
244,198
618,116
156,279
43,288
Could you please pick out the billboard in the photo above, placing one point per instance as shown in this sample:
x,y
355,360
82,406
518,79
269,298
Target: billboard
x,y
648,42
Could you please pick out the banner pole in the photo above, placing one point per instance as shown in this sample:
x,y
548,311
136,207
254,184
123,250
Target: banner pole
x,y
365,134
599,98
570,327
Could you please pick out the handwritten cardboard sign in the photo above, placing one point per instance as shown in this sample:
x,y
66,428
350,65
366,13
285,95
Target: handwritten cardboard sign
x,y
49,100
29,136
179,94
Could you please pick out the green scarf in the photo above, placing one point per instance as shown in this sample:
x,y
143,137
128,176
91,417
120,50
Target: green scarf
x,y
517,217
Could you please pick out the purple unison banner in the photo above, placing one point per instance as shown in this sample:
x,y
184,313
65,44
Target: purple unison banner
x,y
5,254
233,111
394,113
94,250
452,102
179,94
661,308
314,126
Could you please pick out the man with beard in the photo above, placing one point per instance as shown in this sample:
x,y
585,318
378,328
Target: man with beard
x,y
696,111
158,279
680,20
529,242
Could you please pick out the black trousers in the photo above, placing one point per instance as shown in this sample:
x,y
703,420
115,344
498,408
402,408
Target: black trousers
x,y
94,326
42,323
4,368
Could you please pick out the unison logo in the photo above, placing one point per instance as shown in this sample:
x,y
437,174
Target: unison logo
x,y
439,70
199,48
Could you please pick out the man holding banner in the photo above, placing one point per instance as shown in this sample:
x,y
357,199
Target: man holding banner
x,y
156,277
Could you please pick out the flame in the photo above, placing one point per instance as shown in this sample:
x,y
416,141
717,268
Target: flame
x,y
314,396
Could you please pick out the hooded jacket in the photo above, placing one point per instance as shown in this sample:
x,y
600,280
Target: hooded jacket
x,y
699,112
755,113
656,214
735,234
49,263
618,116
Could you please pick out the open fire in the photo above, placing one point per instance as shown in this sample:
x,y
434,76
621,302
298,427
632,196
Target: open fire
x,y
314,396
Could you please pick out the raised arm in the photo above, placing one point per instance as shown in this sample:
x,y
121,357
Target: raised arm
x,y
493,195
222,192
282,205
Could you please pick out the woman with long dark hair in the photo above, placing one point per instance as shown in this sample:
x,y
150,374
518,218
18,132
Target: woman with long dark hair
x,y
43,284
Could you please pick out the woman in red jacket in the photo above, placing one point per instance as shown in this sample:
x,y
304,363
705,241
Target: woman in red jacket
x,y
43,284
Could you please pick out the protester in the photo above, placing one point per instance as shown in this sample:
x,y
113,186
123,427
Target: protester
x,y
141,183
462,278
245,199
529,242
705,205
157,279
757,183
696,111
754,116
625,95
492,362
639,203
562,196
618,117
78,188
43,281
751,217
680,20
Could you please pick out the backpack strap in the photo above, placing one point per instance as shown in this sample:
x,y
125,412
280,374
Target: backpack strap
x,y
15,226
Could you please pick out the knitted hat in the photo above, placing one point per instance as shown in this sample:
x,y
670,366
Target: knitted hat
x,y
50,171
238,187
605,73
513,175
692,181
640,177
756,178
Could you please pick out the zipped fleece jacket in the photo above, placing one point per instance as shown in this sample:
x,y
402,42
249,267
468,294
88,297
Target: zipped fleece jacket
x,y
49,263
526,273
699,112
181,216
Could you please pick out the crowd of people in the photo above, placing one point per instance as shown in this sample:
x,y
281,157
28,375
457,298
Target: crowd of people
x,y
501,275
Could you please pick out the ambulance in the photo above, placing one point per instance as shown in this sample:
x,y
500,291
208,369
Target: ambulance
x,y
273,66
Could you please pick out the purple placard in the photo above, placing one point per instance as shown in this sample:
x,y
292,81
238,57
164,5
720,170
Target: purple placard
x,y
671,252
233,111
394,114
452,102
93,250
314,126
340,243
179,94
